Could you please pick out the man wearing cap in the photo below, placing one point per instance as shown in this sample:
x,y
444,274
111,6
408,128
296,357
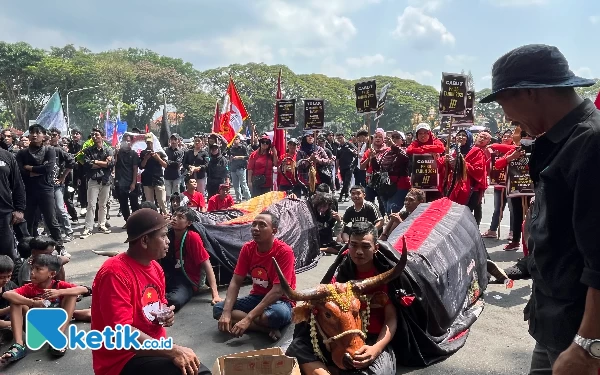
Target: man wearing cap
x,y
36,164
132,284
221,201
534,86
216,171
238,165
153,181
173,169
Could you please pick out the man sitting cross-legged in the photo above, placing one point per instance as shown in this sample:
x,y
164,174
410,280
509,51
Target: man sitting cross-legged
x,y
43,291
266,309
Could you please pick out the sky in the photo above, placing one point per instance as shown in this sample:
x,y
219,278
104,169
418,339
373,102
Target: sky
x,y
413,39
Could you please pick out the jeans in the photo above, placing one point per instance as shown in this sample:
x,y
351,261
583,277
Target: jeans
x,y
499,195
172,186
156,365
61,212
44,201
179,290
346,179
96,194
542,360
396,202
278,314
238,179
127,198
69,202
158,192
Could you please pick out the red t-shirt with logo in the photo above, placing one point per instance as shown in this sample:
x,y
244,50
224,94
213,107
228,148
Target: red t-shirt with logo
x,y
261,269
33,291
194,255
215,203
377,317
125,292
195,201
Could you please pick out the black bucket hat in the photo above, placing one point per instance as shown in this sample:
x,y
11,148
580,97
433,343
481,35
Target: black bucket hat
x,y
534,66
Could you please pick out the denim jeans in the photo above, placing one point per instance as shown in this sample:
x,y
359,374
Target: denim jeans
x,y
396,202
278,314
96,193
499,195
238,179
172,186
62,215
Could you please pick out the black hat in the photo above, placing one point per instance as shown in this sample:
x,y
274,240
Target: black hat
x,y
534,66
143,222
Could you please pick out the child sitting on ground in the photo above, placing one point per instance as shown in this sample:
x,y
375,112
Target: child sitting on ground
x,y
6,269
43,291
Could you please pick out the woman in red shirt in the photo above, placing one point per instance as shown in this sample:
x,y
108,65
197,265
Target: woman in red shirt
x,y
427,143
287,166
260,168
371,159
395,162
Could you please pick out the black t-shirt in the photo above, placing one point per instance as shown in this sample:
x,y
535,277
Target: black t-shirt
x,y
196,160
101,154
126,160
12,190
43,161
345,155
368,213
325,225
174,162
153,171
9,286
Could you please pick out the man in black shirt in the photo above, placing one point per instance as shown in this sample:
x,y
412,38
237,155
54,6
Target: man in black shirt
x,y
12,201
173,169
36,164
79,180
98,164
126,171
153,181
534,86
195,162
65,163
238,165
346,161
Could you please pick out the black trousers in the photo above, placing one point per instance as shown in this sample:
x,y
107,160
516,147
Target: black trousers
x,y
69,203
81,186
474,205
156,365
517,223
179,289
212,189
346,179
360,177
127,198
44,201
260,190
7,238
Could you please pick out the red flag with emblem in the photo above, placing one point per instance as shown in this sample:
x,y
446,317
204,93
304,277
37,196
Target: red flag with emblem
x,y
233,115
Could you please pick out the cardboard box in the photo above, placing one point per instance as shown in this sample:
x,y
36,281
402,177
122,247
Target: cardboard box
x,y
271,361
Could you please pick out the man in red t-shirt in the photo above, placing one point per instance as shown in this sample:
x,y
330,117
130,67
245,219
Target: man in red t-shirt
x,y
130,289
266,309
183,276
221,201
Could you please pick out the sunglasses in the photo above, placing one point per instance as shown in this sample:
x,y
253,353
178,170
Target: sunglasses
x,y
265,142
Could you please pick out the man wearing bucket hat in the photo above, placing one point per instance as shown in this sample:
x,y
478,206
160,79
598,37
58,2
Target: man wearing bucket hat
x,y
535,88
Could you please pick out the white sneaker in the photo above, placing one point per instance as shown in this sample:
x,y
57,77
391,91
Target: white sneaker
x,y
103,229
64,253
83,212
85,234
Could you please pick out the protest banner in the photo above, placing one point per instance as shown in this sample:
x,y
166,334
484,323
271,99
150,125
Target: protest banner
x,y
453,96
424,174
497,176
469,118
314,114
519,182
366,97
286,114
381,101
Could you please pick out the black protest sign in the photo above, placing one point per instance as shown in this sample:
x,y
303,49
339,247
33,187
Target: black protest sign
x,y
366,97
519,182
286,113
453,96
424,172
445,123
469,118
314,114
381,101
497,176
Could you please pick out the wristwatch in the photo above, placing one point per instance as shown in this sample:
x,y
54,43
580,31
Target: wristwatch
x,y
591,346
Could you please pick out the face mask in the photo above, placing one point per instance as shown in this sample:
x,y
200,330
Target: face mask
x,y
526,142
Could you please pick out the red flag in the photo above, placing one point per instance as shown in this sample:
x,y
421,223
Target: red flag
x,y
216,118
234,113
278,134
147,129
598,106
115,139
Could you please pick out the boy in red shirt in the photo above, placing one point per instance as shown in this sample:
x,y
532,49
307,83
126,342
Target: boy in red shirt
x,y
266,309
195,198
221,201
43,291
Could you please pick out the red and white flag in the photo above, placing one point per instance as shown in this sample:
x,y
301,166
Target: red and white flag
x,y
233,115
598,106
216,118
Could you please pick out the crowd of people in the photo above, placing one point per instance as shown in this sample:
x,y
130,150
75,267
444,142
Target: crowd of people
x,y
166,262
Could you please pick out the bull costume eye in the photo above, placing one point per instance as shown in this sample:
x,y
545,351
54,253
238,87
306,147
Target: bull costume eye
x,y
328,315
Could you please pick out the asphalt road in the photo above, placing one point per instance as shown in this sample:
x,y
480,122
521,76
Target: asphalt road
x,y
498,342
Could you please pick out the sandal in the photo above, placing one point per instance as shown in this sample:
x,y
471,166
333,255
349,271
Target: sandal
x,y
15,355
513,246
489,234
57,352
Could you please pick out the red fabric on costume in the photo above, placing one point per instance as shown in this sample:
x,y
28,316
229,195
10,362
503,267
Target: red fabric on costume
x,y
432,146
196,200
502,148
377,317
125,292
215,203
261,269
462,189
378,155
476,168
194,254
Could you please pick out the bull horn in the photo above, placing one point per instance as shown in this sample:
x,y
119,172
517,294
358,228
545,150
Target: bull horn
x,y
384,278
305,295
